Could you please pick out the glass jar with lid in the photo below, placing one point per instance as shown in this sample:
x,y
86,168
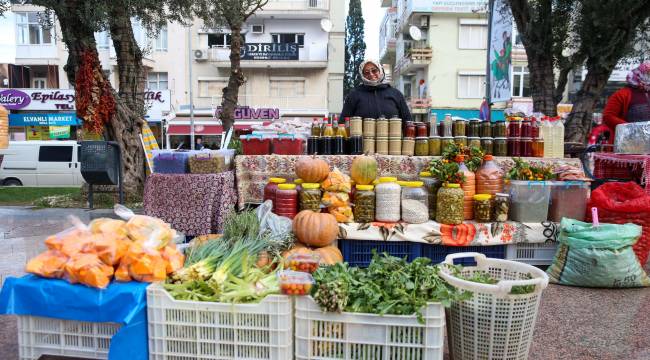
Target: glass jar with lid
x,y
286,201
395,127
460,127
432,185
444,142
410,130
434,146
271,187
422,146
514,128
448,126
415,203
381,127
449,208
364,204
487,145
526,129
500,147
356,126
501,207
474,129
408,147
310,196
460,140
369,127
387,200
421,129
474,142
499,129
526,147
486,129
482,208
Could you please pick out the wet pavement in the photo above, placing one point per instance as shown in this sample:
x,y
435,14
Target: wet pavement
x,y
573,323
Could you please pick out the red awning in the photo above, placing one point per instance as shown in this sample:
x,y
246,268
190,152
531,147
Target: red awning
x,y
201,129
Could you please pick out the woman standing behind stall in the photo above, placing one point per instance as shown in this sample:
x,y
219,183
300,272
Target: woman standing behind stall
x,y
375,98
631,103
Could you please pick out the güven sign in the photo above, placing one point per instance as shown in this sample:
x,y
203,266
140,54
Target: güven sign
x,y
249,113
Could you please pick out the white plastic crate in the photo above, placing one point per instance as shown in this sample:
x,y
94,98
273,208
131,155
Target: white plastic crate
x,y
184,330
532,253
323,335
48,336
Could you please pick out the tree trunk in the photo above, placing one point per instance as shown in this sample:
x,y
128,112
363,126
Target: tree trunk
x,y
542,84
124,125
236,79
578,123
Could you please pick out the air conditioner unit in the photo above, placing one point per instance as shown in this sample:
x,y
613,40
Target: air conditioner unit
x,y
200,54
257,29
424,21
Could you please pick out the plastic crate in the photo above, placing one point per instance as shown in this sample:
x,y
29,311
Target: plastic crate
x,y
359,252
252,145
532,254
204,330
437,253
323,335
287,146
48,336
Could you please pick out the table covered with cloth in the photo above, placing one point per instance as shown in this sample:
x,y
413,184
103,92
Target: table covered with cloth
x,y
120,303
622,166
194,204
470,233
253,171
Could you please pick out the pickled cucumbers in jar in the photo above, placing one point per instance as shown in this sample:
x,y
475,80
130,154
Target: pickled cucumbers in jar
x,y
310,197
451,200
364,204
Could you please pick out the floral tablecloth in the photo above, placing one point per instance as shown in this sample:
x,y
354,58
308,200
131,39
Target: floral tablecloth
x,y
469,233
253,171
194,204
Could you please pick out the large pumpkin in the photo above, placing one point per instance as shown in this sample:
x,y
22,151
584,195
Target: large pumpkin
x,y
315,229
329,255
312,170
363,170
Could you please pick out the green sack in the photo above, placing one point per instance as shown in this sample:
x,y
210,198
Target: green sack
x,y
597,257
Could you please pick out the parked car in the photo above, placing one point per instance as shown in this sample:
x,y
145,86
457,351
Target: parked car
x,y
41,163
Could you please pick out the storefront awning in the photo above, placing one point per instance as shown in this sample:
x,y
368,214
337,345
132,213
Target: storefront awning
x,y
51,119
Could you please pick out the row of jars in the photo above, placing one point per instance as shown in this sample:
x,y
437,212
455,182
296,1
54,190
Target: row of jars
x,y
470,128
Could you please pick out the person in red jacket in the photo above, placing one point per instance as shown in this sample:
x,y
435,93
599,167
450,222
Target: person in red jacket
x,y
631,103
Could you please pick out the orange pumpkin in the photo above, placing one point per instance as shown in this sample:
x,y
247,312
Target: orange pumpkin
x,y
315,229
363,170
312,170
329,255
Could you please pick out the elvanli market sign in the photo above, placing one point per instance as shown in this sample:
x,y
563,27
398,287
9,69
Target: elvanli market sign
x,y
64,99
249,113
269,51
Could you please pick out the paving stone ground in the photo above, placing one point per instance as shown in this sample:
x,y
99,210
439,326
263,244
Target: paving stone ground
x,y
573,323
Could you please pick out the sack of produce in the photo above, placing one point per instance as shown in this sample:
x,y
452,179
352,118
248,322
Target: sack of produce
x,y
621,203
89,270
49,264
597,256
336,199
337,181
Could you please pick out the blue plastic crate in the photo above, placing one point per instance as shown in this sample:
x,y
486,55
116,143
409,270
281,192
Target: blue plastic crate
x,y
171,162
359,252
437,253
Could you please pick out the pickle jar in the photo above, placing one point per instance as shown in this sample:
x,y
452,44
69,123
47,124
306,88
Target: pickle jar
x,y
499,129
500,147
364,204
474,142
460,140
432,185
474,129
310,196
450,202
434,146
487,144
486,129
421,146
460,127
501,207
482,208
415,203
444,142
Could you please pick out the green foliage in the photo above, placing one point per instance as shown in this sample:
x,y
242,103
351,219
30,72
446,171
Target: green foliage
x,y
484,277
355,46
523,170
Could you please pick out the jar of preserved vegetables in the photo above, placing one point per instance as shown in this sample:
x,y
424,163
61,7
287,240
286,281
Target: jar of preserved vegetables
x,y
449,208
369,145
432,185
500,146
526,147
310,196
501,207
514,146
460,127
415,203
381,145
387,200
421,129
369,127
474,142
474,129
434,146
381,127
514,128
410,130
444,142
487,144
286,201
486,129
482,208
460,140
356,126
499,129
408,147
395,127
271,187
421,146
364,204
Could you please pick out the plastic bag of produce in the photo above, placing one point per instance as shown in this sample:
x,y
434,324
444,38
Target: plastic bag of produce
x,y
621,203
109,249
152,232
337,181
144,264
343,214
174,259
49,264
89,270
279,226
70,241
336,199
597,256
109,226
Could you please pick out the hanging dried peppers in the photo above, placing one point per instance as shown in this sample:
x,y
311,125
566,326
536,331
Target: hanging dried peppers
x,y
94,101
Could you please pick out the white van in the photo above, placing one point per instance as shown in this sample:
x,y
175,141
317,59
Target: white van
x,y
40,163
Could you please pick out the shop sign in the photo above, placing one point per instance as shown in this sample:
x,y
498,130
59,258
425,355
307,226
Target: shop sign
x,y
269,51
60,119
59,132
249,113
450,6
14,99
157,102
33,133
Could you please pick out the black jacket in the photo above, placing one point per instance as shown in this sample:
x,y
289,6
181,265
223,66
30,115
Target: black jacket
x,y
374,102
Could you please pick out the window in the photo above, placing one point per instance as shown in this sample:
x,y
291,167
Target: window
x,y
517,36
30,32
39,83
103,39
157,81
161,40
218,40
55,154
472,34
471,86
289,38
287,87
520,81
209,88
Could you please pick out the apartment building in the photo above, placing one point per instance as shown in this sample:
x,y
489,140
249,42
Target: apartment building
x,y
449,55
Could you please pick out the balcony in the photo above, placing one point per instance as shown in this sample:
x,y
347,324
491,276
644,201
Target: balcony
x,y
388,36
36,54
304,102
309,56
419,105
414,58
295,9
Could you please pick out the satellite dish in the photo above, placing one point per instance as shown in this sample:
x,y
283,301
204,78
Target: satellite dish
x,y
326,25
415,33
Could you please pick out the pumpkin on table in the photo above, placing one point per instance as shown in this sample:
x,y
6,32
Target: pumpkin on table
x,y
328,255
315,229
363,170
311,169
